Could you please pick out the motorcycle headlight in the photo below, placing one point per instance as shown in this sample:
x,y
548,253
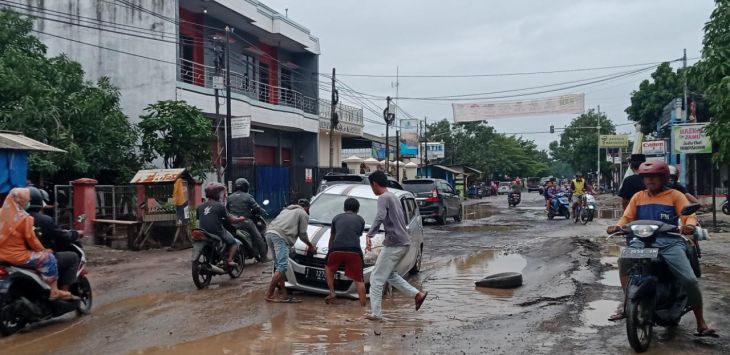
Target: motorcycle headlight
x,y
644,230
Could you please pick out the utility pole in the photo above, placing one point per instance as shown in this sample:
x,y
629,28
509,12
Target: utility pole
x,y
229,139
388,117
334,117
598,148
218,62
425,142
397,154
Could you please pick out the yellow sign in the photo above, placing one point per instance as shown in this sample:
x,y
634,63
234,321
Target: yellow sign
x,y
613,141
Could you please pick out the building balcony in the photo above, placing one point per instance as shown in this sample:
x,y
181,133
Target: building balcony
x,y
206,76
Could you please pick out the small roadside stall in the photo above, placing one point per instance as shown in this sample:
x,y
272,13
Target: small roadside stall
x,y
165,197
14,148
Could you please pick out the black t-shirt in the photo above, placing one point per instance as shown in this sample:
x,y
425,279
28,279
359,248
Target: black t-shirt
x,y
630,186
212,216
347,228
677,186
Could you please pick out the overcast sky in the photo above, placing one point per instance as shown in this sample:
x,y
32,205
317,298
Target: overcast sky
x,y
431,37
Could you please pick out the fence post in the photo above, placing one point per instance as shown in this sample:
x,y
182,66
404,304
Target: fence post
x,y
84,205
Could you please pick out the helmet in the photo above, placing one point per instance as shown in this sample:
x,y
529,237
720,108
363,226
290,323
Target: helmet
x,y
36,197
579,174
241,184
673,170
654,168
214,190
303,202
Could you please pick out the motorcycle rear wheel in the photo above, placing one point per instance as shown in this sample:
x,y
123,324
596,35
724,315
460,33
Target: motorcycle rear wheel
x,y
201,276
83,290
726,208
10,322
240,261
585,216
638,329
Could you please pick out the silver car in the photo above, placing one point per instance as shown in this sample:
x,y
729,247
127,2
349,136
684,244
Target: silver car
x,y
306,272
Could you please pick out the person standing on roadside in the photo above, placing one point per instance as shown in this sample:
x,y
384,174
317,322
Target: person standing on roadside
x,y
344,249
632,184
395,246
283,231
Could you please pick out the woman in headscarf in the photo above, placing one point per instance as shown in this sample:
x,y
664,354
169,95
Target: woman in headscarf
x,y
19,245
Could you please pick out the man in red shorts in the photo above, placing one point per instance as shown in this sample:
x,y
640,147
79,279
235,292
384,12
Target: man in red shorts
x,y
344,249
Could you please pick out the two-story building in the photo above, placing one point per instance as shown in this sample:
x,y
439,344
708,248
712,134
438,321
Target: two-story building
x,y
175,50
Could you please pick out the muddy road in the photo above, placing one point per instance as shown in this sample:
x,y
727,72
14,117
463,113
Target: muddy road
x,y
146,303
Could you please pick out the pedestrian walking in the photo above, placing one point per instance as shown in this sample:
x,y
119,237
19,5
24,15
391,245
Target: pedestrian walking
x,y
344,249
283,231
395,246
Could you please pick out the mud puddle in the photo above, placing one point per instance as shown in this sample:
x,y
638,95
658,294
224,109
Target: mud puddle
x,y
477,211
481,228
610,262
595,315
313,327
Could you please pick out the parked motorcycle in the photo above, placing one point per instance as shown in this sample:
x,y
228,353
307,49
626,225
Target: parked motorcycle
x,y
726,206
653,295
513,199
559,206
242,234
210,257
24,296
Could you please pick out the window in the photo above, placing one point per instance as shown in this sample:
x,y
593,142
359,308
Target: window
x,y
414,209
287,96
409,209
263,82
186,56
249,71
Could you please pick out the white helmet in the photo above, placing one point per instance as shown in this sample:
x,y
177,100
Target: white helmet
x,y
673,170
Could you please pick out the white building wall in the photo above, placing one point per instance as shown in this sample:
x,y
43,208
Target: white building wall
x,y
141,81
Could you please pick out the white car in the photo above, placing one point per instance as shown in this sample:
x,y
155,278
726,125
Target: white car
x,y
306,272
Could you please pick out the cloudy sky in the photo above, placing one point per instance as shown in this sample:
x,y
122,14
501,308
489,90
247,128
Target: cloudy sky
x,y
458,37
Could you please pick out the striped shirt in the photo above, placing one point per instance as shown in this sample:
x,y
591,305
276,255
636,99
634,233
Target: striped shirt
x,y
665,206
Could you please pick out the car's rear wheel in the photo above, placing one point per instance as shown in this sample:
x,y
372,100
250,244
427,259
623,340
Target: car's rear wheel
x,y
442,218
419,258
457,218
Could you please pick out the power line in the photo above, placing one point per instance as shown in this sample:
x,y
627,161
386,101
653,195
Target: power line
x,y
515,73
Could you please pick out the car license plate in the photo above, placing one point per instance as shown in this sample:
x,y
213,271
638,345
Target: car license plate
x,y
643,253
315,274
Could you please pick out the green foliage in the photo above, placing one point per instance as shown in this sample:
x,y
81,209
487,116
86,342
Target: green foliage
x,y
476,144
578,145
48,100
647,103
179,134
714,73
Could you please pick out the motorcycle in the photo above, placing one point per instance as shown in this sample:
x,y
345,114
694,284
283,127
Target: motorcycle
x,y
586,209
726,206
653,295
513,199
24,296
559,206
248,246
210,256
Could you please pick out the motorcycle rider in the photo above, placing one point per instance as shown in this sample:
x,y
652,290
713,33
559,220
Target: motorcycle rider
x,y
550,193
215,219
632,183
578,187
55,238
660,203
242,204
675,184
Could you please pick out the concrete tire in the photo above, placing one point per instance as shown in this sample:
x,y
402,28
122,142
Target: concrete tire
x,y
501,280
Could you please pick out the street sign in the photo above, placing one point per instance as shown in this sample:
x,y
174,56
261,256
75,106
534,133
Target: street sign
x,y
218,82
613,141
691,139
240,127
653,147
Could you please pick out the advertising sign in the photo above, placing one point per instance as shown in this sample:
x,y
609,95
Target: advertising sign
x,y
613,141
691,139
653,148
240,127
408,138
379,151
572,103
435,150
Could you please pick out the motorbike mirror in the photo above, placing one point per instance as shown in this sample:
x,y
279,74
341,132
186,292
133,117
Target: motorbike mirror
x,y
690,209
266,202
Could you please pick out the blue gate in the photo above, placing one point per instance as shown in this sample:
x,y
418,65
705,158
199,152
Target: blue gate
x,y
272,183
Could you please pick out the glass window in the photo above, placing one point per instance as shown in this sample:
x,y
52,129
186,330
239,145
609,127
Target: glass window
x,y
327,206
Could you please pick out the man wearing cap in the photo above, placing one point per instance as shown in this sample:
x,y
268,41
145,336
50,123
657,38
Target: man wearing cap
x,y
632,184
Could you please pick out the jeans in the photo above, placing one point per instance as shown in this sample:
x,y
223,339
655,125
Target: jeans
x,y
384,271
674,252
280,250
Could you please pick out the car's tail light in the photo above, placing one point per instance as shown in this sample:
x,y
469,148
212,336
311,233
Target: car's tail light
x,y
3,271
434,197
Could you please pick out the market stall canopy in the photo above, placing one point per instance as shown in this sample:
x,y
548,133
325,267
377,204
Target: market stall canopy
x,y
11,140
157,176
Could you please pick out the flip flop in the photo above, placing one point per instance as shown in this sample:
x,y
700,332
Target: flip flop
x,y
420,303
619,315
373,318
707,332
290,300
273,300
329,299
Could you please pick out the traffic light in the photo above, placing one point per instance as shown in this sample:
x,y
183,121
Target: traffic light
x,y
552,129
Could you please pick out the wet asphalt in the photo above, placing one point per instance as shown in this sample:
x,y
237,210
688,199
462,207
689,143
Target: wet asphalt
x,y
146,303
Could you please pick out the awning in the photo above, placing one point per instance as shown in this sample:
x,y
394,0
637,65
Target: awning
x,y
445,168
16,141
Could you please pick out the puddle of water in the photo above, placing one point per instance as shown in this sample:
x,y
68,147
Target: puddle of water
x,y
596,313
614,250
480,228
610,278
477,211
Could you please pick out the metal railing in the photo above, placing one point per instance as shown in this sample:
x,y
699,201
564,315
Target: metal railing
x,y
118,202
196,73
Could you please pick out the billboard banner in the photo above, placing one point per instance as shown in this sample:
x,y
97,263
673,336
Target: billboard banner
x,y
691,139
467,112
435,150
653,148
408,138
613,141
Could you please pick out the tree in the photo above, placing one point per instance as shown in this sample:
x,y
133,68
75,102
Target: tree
x,y
714,72
179,134
579,142
48,100
647,103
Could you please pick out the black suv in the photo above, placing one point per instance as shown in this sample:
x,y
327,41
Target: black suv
x,y
336,179
436,199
